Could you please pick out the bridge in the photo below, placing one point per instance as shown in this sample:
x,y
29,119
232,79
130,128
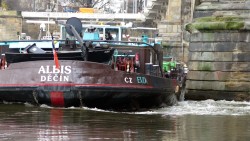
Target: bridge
x,y
152,10
165,15
84,16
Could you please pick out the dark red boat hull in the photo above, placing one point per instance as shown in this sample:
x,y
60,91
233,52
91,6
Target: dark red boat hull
x,y
82,83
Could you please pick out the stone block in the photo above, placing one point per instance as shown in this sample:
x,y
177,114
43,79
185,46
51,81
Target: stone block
x,y
241,56
226,36
9,13
208,37
171,36
216,6
211,56
159,26
222,46
162,30
243,37
175,49
209,0
218,85
222,37
243,46
218,66
196,37
175,28
205,85
219,76
197,46
198,14
212,46
179,28
232,0
169,28
219,36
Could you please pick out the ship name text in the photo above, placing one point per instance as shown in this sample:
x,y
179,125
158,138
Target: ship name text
x,y
53,74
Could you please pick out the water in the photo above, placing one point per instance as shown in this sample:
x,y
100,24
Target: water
x,y
188,121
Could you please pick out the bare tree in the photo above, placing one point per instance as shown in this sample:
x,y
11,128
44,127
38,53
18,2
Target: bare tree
x,y
72,5
93,3
57,5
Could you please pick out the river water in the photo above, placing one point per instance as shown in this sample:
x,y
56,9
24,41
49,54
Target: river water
x,y
187,121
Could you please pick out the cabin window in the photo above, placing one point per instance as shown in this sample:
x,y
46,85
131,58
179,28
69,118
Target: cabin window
x,y
112,34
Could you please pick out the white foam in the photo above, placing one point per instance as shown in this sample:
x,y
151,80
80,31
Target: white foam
x,y
207,107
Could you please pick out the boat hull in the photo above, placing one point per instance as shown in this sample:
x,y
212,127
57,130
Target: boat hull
x,y
83,83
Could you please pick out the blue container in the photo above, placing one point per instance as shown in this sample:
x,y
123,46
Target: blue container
x,y
145,38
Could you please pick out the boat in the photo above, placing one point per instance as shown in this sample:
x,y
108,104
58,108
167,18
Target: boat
x,y
104,74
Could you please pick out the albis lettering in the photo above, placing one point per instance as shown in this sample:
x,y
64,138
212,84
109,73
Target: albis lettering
x,y
52,74
54,70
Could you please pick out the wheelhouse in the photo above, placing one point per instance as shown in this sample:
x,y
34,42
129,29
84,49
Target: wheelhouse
x,y
118,33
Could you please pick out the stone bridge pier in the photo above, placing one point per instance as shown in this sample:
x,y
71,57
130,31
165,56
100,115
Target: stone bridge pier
x,y
219,51
213,38
170,17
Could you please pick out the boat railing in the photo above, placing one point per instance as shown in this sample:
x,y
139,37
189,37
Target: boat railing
x,y
24,43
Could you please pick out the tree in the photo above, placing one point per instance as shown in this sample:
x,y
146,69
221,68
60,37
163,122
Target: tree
x,y
72,5
92,3
4,5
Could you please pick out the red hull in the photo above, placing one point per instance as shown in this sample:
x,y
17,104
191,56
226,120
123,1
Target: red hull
x,y
82,83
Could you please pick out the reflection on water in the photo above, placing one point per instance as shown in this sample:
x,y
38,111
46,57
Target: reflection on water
x,y
187,121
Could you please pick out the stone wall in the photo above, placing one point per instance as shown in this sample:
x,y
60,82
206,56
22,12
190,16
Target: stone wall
x,y
219,58
221,7
27,5
10,25
33,29
219,64
219,51
171,28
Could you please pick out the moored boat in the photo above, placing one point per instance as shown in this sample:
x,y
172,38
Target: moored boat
x,y
104,74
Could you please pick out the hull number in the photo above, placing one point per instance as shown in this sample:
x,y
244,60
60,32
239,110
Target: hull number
x,y
141,80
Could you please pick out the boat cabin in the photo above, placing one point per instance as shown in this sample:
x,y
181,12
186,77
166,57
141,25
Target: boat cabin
x,y
96,43
106,32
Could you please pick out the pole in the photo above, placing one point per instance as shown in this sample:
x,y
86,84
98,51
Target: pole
x,y
126,6
136,6
123,7
133,6
56,6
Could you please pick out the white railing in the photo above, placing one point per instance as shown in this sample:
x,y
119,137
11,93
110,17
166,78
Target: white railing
x,y
85,16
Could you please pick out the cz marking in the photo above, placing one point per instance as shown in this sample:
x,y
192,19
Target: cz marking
x,y
128,80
